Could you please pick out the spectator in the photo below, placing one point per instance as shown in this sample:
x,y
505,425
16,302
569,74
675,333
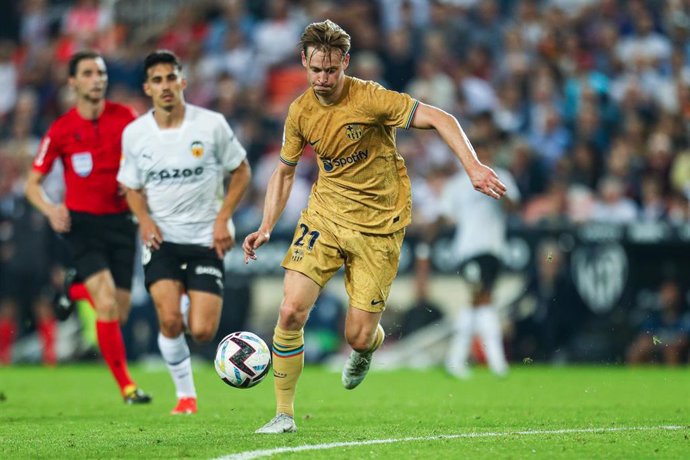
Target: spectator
x,y
399,62
644,44
550,313
367,66
26,266
551,140
659,158
34,29
585,168
530,174
680,173
510,113
9,78
432,85
473,83
653,206
664,334
550,207
238,58
611,205
86,24
487,27
234,20
274,36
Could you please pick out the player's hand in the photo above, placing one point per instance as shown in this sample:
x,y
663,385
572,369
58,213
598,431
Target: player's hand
x,y
223,241
485,180
59,218
252,242
150,234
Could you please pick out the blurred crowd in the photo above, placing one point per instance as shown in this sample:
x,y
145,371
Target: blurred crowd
x,y
585,102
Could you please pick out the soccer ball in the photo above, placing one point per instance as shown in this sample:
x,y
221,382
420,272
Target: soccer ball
x,y
242,359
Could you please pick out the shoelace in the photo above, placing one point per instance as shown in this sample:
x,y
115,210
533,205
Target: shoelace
x,y
276,419
360,364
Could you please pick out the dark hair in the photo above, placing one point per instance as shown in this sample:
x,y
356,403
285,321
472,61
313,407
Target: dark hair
x,y
160,57
78,57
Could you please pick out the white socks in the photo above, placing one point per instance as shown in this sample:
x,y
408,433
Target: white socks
x,y
484,321
176,355
488,327
459,349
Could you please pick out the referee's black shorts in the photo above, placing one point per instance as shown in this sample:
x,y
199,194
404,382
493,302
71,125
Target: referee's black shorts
x,y
99,242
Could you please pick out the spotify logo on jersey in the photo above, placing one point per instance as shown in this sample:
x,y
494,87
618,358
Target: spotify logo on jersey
x,y
330,164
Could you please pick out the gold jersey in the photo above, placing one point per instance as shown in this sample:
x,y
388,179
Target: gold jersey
x,y
362,183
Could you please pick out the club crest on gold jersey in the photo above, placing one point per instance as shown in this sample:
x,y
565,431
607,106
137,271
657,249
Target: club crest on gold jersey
x,y
197,149
297,255
354,132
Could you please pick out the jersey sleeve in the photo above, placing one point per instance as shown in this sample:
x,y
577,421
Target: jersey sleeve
x,y
391,108
293,140
129,174
230,151
48,151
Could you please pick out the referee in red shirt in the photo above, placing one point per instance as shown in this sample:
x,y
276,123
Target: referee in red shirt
x,y
94,219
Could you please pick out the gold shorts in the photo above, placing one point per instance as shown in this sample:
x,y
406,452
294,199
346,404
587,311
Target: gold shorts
x,y
320,247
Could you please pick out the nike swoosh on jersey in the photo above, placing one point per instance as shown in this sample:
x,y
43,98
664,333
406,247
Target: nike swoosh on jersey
x,y
376,302
313,143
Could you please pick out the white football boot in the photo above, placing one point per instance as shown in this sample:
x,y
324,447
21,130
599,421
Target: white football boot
x,y
281,423
356,369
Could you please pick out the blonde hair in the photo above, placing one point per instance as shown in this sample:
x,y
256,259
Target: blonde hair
x,y
325,36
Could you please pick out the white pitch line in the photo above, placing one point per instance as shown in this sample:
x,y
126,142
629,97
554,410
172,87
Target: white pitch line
x,y
248,455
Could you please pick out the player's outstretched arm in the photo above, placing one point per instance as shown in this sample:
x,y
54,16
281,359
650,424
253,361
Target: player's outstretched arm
x,y
57,214
277,194
483,178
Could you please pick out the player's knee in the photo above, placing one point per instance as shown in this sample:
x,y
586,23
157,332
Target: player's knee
x,y
123,318
171,326
292,316
106,308
482,296
204,334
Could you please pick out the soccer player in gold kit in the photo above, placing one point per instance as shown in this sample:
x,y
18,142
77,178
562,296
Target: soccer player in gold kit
x,y
358,209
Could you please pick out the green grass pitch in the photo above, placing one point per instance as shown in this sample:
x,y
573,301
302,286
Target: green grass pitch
x,y
537,412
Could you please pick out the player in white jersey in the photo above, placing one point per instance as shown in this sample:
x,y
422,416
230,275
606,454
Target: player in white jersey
x,y
479,245
175,159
